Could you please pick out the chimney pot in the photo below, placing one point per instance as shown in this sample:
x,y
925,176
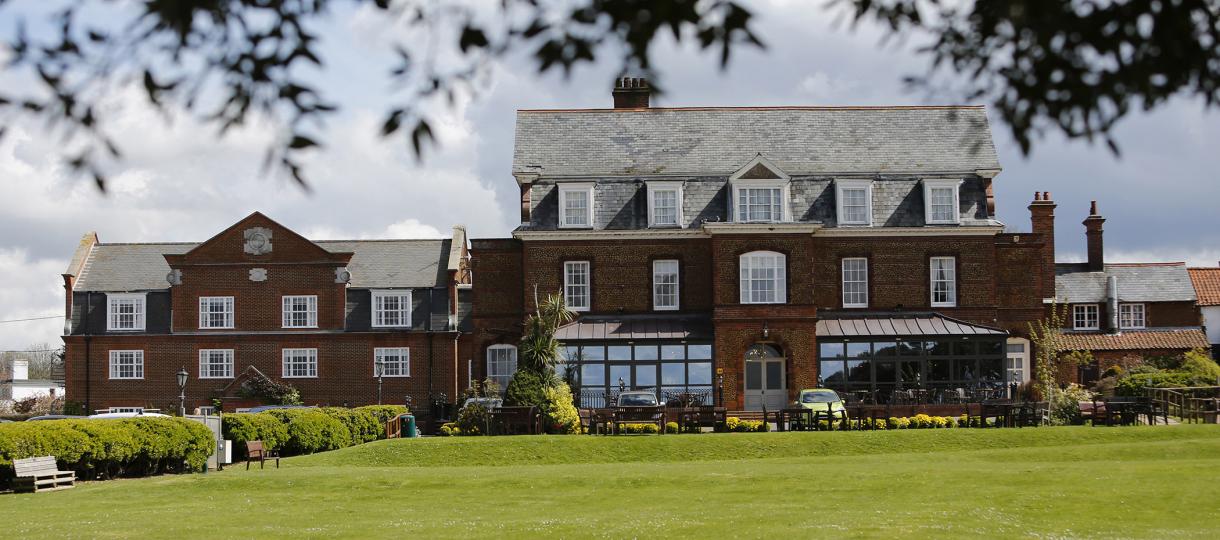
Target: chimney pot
x,y
1093,208
631,93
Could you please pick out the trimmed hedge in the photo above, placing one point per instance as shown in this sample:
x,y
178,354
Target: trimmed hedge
x,y
243,427
102,449
306,431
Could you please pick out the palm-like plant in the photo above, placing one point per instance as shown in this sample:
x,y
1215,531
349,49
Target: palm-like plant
x,y
539,351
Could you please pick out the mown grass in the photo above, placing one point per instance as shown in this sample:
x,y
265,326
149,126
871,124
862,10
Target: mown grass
x,y
1047,482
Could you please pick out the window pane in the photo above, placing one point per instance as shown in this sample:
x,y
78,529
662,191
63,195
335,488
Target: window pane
x,y
939,348
991,348
830,350
775,375
673,373
831,373
1016,347
911,372
619,372
753,375
885,348
859,350
700,373
963,348
675,352
908,348
646,375
593,374
965,370
859,371
594,353
887,372
645,352
618,352
939,370
991,369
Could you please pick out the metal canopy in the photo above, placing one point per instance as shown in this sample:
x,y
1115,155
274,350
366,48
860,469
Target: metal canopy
x,y
900,324
632,327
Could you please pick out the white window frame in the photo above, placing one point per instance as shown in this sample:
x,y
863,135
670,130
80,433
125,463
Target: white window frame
x,y
840,210
1080,316
568,286
403,362
953,184
206,361
657,187
136,363
310,361
761,260
843,267
658,303
781,186
932,281
376,297
509,358
139,302
565,191
311,310
1126,312
227,303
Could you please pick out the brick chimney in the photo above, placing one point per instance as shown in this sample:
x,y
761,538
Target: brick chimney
x,y
631,93
1042,220
1093,233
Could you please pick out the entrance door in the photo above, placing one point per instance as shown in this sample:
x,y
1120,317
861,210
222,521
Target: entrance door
x,y
764,377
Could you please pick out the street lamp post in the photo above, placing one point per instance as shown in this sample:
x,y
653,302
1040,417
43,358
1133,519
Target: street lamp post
x,y
182,375
380,364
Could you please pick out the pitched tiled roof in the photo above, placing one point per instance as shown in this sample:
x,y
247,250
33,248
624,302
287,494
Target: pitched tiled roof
x,y
1207,285
374,264
719,140
1137,282
1135,340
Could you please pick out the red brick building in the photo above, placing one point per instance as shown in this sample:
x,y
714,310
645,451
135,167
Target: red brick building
x,y
260,299
1122,313
745,253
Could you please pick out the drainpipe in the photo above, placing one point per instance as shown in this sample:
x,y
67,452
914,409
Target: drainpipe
x,y
1112,303
88,340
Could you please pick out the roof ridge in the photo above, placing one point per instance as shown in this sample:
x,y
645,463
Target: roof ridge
x,y
147,243
768,108
442,239
1137,264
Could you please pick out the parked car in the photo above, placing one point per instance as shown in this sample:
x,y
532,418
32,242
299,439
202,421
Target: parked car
x,y
262,408
488,402
53,417
637,398
822,399
115,415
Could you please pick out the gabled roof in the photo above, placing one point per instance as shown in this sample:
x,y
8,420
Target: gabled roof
x,y
898,325
1137,282
374,264
717,140
1207,285
1135,340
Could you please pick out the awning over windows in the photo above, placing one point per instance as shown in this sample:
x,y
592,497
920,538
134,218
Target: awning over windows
x,y
899,324
632,327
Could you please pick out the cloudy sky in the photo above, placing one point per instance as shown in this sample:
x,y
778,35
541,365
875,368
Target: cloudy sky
x,y
179,183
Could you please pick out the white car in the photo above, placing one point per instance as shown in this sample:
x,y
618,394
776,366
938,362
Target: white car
x,y
113,415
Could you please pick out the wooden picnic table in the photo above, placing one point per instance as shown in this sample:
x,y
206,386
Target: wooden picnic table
x,y
701,417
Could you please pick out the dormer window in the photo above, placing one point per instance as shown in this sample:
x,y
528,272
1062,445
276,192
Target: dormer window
x,y
665,204
125,312
941,201
759,193
855,202
576,205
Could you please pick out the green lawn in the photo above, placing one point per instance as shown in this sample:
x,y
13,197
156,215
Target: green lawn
x,y
1140,482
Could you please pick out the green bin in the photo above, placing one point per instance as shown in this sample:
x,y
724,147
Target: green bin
x,y
407,421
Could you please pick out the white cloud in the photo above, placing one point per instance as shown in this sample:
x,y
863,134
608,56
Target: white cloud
x,y
32,289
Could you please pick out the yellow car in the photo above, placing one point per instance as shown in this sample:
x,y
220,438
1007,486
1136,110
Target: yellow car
x,y
822,399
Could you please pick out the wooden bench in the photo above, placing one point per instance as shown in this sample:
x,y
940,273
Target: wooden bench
x,y
41,474
517,420
639,415
255,450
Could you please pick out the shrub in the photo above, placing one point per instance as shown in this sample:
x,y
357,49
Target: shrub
x,y
311,430
109,448
526,389
361,425
449,429
559,415
273,392
244,427
383,414
671,427
473,419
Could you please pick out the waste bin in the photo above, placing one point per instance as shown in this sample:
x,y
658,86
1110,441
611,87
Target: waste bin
x,y
407,421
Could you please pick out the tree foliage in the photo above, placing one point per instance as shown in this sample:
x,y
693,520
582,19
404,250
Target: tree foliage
x,y
1077,66
539,350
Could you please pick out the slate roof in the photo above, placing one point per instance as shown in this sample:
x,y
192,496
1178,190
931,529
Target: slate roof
x,y
895,325
636,327
799,140
1207,285
1137,282
1135,340
374,264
